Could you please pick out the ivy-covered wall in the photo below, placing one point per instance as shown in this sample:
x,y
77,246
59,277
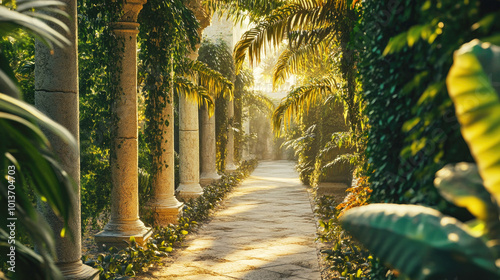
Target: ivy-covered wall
x,y
413,131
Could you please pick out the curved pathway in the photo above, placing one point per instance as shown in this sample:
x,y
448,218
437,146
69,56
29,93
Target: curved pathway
x,y
265,231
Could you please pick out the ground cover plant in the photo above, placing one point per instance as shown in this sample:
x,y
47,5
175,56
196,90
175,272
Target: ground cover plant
x,y
122,264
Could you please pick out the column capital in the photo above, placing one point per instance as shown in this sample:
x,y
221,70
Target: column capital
x,y
131,10
200,12
125,26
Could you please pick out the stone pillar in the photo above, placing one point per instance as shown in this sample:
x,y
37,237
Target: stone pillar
x,y
56,94
165,206
208,149
246,147
230,166
125,221
189,146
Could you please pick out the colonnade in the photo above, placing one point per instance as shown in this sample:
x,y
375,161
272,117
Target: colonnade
x,y
56,89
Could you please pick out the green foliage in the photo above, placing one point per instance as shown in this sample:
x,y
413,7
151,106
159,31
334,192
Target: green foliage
x,y
346,256
422,242
218,57
28,164
97,88
412,131
19,50
115,264
412,128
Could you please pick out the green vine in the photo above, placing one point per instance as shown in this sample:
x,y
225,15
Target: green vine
x,y
98,88
167,32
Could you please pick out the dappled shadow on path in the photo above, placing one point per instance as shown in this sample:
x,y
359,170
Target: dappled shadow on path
x,y
266,231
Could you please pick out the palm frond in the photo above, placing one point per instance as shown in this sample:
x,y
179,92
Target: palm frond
x,y
300,143
26,150
292,61
213,81
261,101
32,21
184,87
300,99
242,10
343,158
315,17
269,33
323,34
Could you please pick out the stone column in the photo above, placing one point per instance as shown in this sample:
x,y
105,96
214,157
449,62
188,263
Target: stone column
x,y
208,149
246,147
165,206
125,221
189,146
56,94
230,166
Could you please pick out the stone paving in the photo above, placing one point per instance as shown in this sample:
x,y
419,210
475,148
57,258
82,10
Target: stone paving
x,y
265,231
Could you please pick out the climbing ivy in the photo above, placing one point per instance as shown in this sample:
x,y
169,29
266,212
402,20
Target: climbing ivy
x,y
413,131
218,57
168,30
406,50
97,62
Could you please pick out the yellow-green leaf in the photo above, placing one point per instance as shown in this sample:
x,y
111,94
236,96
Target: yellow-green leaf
x,y
478,107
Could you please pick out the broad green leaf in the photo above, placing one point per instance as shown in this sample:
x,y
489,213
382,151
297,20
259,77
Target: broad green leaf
x,y
477,105
421,242
24,110
461,184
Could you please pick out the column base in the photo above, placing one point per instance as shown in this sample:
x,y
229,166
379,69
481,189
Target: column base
x,y
164,215
208,178
78,271
114,236
189,191
231,167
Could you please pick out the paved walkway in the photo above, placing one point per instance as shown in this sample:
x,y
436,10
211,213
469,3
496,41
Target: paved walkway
x,y
266,231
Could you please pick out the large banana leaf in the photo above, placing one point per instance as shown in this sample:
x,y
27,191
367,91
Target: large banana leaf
x,y
421,242
461,184
476,66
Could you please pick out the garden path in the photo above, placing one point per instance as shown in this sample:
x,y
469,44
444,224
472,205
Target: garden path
x,y
265,231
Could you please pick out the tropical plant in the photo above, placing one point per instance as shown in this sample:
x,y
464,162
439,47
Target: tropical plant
x,y
309,28
423,243
217,56
28,164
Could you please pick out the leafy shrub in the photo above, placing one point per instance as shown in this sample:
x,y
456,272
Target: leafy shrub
x,y
346,256
115,264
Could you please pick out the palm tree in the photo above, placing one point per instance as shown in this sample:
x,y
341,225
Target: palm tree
x,y
310,27
27,163
315,33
